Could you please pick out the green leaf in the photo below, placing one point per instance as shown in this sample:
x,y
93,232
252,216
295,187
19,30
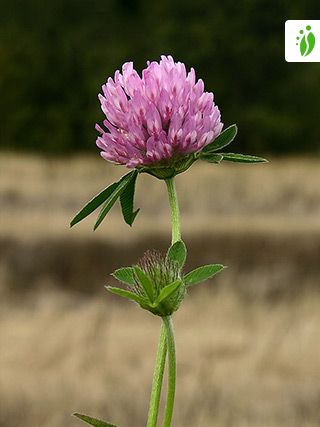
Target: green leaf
x,y
211,158
93,421
303,45
311,41
242,158
307,44
126,294
224,139
125,275
145,282
126,200
167,291
202,273
178,252
93,204
121,185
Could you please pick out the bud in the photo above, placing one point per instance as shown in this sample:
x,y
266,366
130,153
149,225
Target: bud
x,y
155,283
161,272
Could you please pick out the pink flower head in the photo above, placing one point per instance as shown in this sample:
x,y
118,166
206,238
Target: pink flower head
x,y
157,118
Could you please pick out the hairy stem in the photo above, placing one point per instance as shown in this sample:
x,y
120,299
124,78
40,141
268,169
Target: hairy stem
x,y
171,371
166,341
176,235
174,206
157,379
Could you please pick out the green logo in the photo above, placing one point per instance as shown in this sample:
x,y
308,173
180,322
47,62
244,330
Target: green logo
x,y
306,40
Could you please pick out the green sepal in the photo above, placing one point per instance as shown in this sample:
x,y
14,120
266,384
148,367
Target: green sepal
x,y
165,171
211,158
93,421
178,253
202,273
121,185
125,275
145,282
126,294
126,201
167,291
93,204
224,139
242,158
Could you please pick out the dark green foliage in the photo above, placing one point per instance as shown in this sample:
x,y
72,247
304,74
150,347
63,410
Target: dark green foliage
x,y
111,200
94,204
211,157
225,138
242,158
126,200
109,196
55,55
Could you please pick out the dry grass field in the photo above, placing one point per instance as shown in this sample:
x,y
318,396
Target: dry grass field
x,y
248,342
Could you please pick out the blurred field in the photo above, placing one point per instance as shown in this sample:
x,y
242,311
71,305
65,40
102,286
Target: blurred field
x,y
248,343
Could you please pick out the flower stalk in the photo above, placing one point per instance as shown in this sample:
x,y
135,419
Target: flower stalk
x,y
157,379
171,371
166,340
174,207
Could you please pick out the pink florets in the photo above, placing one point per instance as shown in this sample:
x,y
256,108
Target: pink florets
x,y
164,115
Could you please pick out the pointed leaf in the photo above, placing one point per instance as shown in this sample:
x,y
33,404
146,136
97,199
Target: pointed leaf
x,y
178,252
121,185
126,200
93,421
224,139
93,204
126,294
145,282
125,275
303,46
311,41
202,273
167,291
242,158
211,158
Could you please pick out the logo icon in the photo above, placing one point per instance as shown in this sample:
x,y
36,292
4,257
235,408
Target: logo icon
x,y
306,40
302,40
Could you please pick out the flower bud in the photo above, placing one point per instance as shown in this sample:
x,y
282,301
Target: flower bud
x,y
155,283
164,275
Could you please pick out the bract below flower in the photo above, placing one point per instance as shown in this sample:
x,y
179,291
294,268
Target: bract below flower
x,y
157,120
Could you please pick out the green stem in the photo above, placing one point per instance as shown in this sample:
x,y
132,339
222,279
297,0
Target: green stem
x,y
175,214
157,379
176,235
171,371
166,340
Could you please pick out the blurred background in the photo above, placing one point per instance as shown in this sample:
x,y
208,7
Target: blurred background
x,y
249,340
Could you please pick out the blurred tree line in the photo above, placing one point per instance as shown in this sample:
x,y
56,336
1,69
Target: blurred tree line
x,y
55,55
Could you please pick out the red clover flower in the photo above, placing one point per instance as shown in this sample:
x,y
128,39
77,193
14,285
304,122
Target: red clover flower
x,y
159,117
